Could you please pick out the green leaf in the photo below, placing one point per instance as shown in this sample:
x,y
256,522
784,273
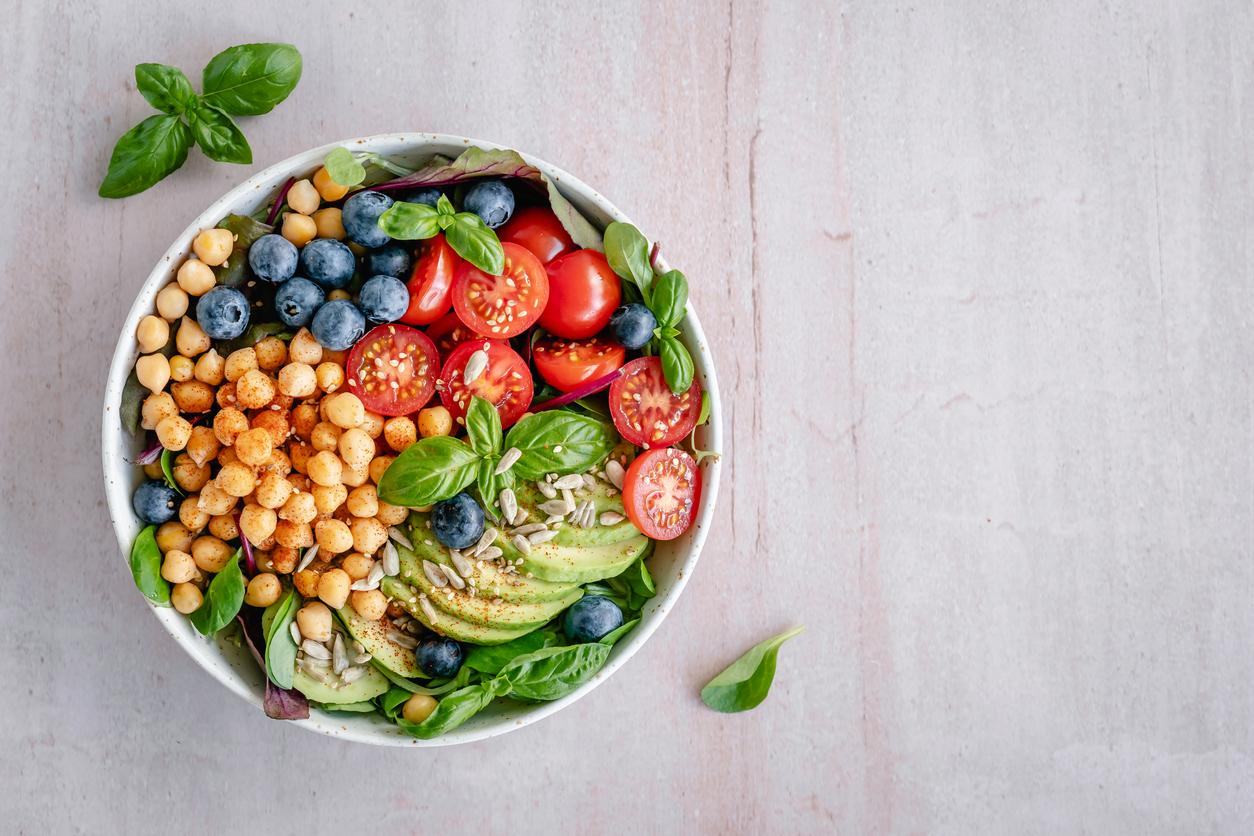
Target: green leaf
x,y
490,659
489,486
670,296
146,567
246,231
280,648
409,221
639,585
444,206
453,710
250,79
344,167
558,441
746,682
483,426
364,707
428,471
627,251
704,415
476,242
553,672
145,154
167,470
165,87
676,364
133,395
391,702
580,229
218,135
222,600
255,334
613,636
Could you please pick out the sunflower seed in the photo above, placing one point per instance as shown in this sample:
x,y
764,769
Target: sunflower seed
x,y
295,631
554,519
399,536
314,650
307,558
428,610
339,656
521,543
548,490
454,579
569,499
519,517
509,504
566,483
376,572
611,518
463,566
434,573
488,538
361,658
357,647
529,528
589,481
475,366
491,553
541,537
401,639
508,460
615,473
556,508
363,585
391,562
353,674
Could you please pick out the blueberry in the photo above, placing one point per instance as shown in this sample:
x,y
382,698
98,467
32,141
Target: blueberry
x,y
383,299
633,325
427,197
392,260
440,657
223,313
491,200
328,262
457,522
296,300
591,618
273,258
155,502
338,324
361,218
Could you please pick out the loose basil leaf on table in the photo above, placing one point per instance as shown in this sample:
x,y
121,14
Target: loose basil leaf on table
x,y
145,154
627,252
409,221
670,296
280,647
145,563
222,600
553,672
676,364
167,470
250,79
431,470
745,683
343,167
475,241
165,87
218,135
558,441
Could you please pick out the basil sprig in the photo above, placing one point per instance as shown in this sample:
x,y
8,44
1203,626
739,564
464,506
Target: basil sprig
x,y
465,232
244,80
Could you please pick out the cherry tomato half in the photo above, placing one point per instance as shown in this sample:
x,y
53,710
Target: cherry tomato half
x,y
539,230
392,369
565,364
505,382
644,409
661,492
431,281
505,305
448,332
583,294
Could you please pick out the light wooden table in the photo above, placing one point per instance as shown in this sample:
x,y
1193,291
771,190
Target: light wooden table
x,y
979,279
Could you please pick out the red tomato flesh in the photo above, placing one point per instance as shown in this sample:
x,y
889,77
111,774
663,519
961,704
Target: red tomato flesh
x,y
505,382
644,409
448,332
661,492
431,282
392,369
506,305
583,294
539,230
567,364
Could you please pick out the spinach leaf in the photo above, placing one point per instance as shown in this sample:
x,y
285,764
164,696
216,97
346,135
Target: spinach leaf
x,y
553,672
746,682
638,584
616,592
280,647
218,135
490,659
146,567
612,637
483,426
676,364
475,241
250,79
344,167
255,334
454,709
246,231
279,703
391,702
133,395
167,470
222,600
145,154
670,296
704,415
409,221
580,229
428,471
627,251
558,441
165,87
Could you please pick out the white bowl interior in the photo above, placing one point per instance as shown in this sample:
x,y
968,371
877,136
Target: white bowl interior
x,y
671,563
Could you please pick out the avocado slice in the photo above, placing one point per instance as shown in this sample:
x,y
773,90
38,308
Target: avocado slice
x,y
373,636
584,564
367,688
449,625
604,498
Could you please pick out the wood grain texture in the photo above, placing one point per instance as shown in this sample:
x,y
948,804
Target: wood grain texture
x,y
978,277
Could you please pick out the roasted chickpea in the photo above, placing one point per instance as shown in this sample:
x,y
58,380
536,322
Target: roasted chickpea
x,y
191,339
303,419
174,535
294,535
189,475
356,449
363,501
211,368
303,197
274,422
418,708
391,514
370,604
372,424
254,390
239,362
186,598
190,514
379,465
369,535
257,523
357,565
227,456
399,432
314,621
156,407
345,410
271,353
263,590
178,567
298,380
174,432
299,229
254,447
330,190
213,246
152,334
325,468
203,445
171,302
333,588
196,277
181,368
284,560
236,479
306,581
273,491
224,527
304,348
325,436
214,501
300,454
210,553
330,223
435,420
330,376
153,470
299,508
229,424
327,498
192,396
153,372
226,395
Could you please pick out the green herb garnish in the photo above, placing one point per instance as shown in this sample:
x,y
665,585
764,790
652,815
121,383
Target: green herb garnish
x,y
222,600
465,232
146,567
746,682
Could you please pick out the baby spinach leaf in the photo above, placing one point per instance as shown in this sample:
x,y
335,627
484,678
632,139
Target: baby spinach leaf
x,y
146,567
409,221
431,470
165,87
746,682
483,426
246,231
145,154
255,334
490,659
580,229
670,295
613,636
558,441
250,79
218,135
454,709
704,415
279,703
133,395
553,672
280,647
391,702
639,585
475,241
344,167
676,364
167,470
222,600
627,251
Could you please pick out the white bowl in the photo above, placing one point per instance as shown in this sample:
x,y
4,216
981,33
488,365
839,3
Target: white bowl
x,y
671,564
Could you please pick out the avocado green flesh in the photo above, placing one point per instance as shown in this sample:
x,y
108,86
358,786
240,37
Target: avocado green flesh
x,y
586,564
373,636
367,688
448,625
570,535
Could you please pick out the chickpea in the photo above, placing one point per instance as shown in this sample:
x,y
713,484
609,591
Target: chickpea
x,y
274,423
271,353
327,498
152,334
254,390
299,508
300,482
153,470
306,580
156,407
333,588
370,604
254,447
298,380
304,348
299,229
284,560
213,246
236,479
338,293
363,501
153,372
196,277
214,501
344,410
224,527
273,491
330,223
357,565
173,432
267,544
211,368
330,190
304,418
211,553
314,621
181,368
303,197
280,402
178,567
238,362
369,534
280,465
379,465
399,432
418,708
263,590
433,421
355,478
186,598
338,357
301,454
229,424
325,436
190,514
189,475
330,377
257,522
391,514
227,456
174,535
334,536
326,469
226,395
372,424
172,302
193,396
294,535
191,339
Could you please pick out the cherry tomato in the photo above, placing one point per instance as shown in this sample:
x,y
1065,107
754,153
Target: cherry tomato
x,y
583,295
505,305
566,364
644,409
431,281
448,332
392,369
505,382
661,492
539,230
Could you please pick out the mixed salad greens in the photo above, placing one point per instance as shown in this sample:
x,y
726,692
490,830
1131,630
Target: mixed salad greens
x,y
413,435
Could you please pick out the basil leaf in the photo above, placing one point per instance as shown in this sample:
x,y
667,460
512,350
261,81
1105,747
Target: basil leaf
x,y
167,470
476,242
146,567
392,702
246,231
746,682
676,364
488,485
222,600
670,296
428,471
627,251
250,79
444,206
558,441
409,221
454,709
145,154
344,167
254,334
483,426
165,87
280,648
553,672
639,584
490,659
611,638
218,135
133,395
